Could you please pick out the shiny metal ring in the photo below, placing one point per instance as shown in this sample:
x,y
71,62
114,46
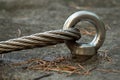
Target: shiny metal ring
x,y
92,18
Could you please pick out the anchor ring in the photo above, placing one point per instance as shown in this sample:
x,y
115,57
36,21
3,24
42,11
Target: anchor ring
x,y
88,48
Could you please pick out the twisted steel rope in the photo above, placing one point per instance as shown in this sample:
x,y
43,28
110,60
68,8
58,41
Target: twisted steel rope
x,y
39,40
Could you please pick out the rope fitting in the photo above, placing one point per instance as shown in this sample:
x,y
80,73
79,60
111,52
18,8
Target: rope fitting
x,y
69,35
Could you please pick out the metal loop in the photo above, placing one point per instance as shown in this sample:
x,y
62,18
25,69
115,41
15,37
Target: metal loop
x,y
92,18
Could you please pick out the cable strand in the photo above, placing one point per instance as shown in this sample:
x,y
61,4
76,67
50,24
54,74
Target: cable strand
x,y
39,40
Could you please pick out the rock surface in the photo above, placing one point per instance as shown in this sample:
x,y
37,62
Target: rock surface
x,y
25,17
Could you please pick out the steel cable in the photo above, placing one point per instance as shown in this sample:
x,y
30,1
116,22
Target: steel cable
x,y
39,40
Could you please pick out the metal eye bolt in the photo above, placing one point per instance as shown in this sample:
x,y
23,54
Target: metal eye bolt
x,y
86,48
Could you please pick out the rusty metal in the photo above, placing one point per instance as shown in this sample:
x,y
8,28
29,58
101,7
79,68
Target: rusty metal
x,y
39,40
88,49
